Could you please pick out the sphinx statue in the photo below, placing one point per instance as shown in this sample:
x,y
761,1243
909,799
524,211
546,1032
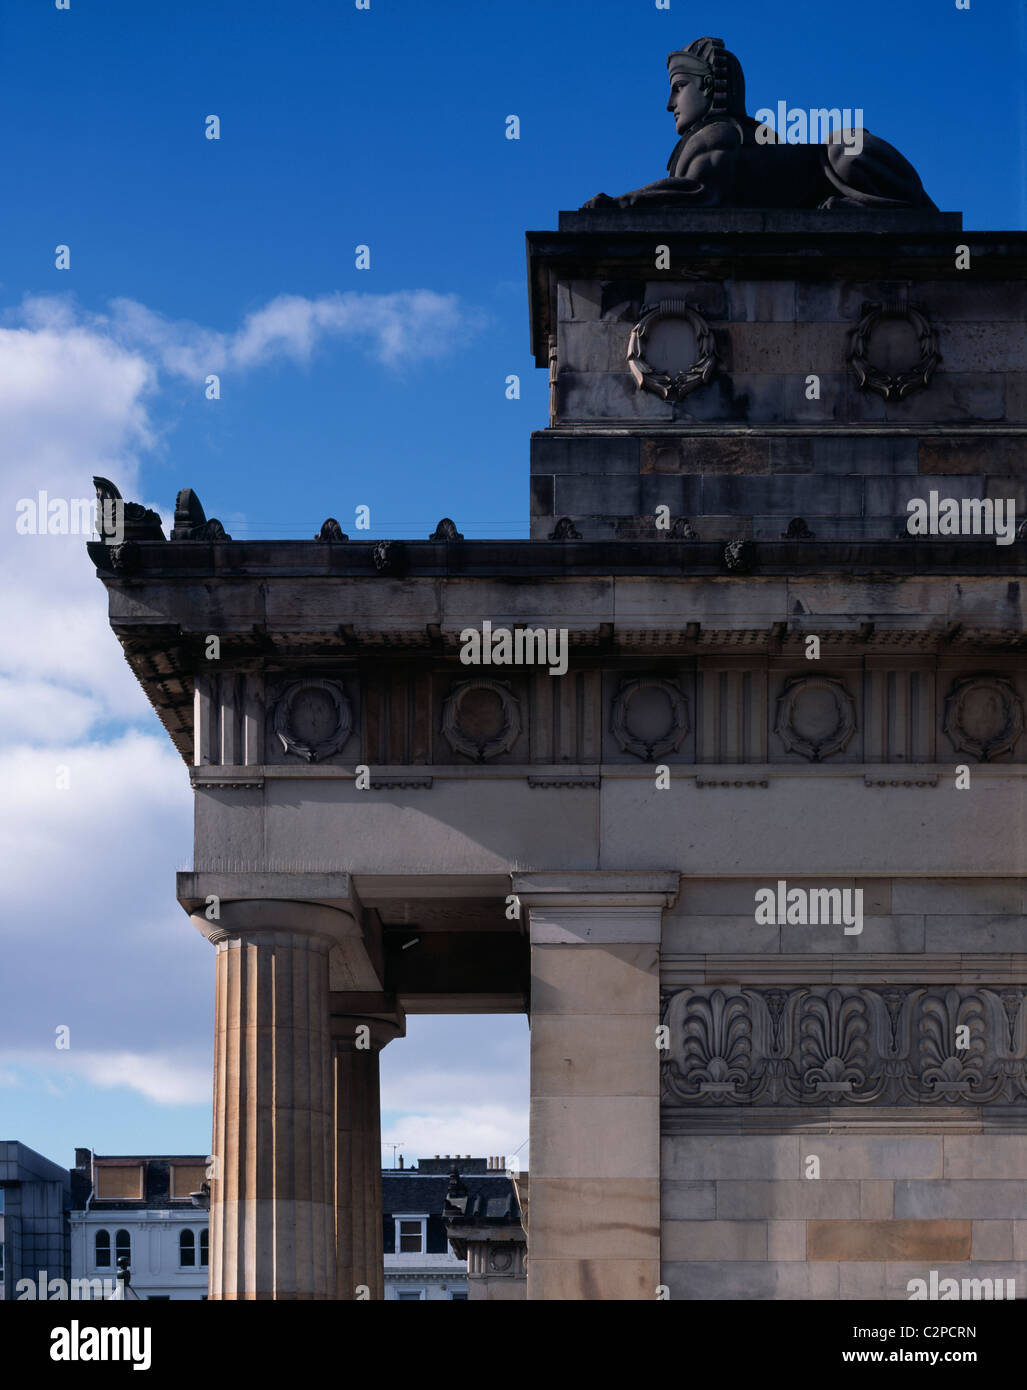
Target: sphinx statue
x,y
726,158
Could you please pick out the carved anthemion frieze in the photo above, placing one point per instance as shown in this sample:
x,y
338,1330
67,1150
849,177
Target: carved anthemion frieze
x,y
845,1045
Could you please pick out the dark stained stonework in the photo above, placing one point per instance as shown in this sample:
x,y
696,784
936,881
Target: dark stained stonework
x,y
724,158
191,522
918,371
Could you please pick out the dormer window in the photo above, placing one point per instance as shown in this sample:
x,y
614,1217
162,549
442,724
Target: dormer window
x,y
411,1235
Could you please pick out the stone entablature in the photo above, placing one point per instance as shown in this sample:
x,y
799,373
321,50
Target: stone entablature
x,y
385,650
720,708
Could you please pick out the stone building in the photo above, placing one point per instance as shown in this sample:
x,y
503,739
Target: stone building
x,y
423,1262
147,1208
753,861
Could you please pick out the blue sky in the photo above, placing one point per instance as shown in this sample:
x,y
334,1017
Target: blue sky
x,y
339,127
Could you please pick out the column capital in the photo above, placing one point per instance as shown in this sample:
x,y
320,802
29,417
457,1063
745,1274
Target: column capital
x,y
326,890
382,1014
597,908
236,919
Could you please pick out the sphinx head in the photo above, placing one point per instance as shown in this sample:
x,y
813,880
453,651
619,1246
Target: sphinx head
x,y
706,83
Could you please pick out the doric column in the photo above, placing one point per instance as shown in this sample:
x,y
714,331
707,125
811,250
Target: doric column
x,y
357,1039
595,1105
272,1208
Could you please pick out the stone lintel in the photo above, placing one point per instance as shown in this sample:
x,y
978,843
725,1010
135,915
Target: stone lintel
x,y
602,907
414,887
477,1003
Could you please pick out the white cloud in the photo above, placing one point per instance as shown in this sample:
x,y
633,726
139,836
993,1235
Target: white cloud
x,y
168,1078
157,1076
35,710
480,1130
77,391
402,327
478,1109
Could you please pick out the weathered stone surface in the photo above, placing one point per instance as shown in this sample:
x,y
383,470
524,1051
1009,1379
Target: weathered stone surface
x,y
967,1199
542,497
590,494
877,1198
992,1240
787,1199
705,454
585,1219
592,453
593,347
977,896
985,1156
688,1201
888,1240
744,1280
968,454
606,396
571,1057
713,1240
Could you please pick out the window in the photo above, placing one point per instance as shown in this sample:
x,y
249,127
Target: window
x,y
186,1249
410,1295
458,1297
410,1235
205,1247
1,1201
103,1249
122,1246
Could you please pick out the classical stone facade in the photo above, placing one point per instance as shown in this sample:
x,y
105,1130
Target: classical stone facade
x,y
773,685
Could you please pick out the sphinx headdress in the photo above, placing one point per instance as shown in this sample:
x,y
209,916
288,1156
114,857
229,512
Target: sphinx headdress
x,y
709,59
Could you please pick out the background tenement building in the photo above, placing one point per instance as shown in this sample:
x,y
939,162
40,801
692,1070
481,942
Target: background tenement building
x,y
148,1208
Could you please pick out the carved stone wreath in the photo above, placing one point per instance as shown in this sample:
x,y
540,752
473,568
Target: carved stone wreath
x,y
648,378
805,737
983,716
916,377
478,743
636,741
298,718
